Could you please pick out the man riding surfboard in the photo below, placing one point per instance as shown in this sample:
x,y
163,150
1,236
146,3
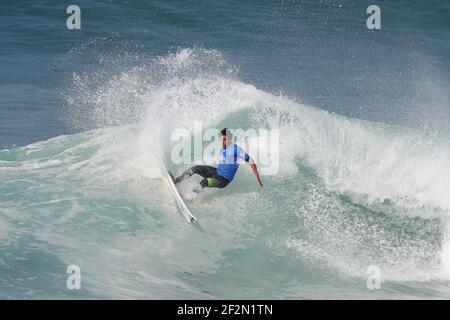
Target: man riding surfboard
x,y
228,165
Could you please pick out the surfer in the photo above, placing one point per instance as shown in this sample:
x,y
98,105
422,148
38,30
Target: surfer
x,y
221,176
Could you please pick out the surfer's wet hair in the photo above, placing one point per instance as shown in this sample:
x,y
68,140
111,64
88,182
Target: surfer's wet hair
x,y
226,132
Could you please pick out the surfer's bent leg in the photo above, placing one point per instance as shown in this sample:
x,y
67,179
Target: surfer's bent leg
x,y
204,171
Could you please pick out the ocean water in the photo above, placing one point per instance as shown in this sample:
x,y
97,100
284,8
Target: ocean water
x,y
364,173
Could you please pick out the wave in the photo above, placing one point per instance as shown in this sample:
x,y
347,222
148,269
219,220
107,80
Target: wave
x,y
348,194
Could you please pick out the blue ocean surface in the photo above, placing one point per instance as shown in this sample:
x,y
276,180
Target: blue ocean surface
x,y
364,171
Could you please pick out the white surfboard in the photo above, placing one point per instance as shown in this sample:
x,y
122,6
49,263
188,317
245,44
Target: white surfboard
x,y
180,203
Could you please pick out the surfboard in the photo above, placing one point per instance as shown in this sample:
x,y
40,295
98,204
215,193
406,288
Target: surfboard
x,y
179,200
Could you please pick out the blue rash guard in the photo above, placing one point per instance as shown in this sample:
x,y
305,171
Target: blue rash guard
x,y
230,158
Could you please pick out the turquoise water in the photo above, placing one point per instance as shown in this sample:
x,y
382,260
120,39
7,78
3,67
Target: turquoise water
x,y
362,181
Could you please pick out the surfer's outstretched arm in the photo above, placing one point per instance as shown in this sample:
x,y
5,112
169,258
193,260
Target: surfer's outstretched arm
x,y
255,170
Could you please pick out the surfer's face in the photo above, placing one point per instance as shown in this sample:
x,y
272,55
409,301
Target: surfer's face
x,y
224,140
